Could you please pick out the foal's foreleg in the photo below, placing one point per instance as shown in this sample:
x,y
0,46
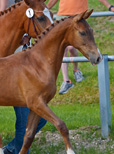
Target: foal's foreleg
x,y
32,123
1,152
0,142
44,111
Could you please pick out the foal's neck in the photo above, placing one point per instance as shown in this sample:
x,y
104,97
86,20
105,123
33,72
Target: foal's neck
x,y
52,44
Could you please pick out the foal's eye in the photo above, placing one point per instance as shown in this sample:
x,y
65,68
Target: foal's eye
x,y
41,18
83,33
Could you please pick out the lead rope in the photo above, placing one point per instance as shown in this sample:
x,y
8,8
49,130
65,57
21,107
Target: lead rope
x,y
25,45
35,27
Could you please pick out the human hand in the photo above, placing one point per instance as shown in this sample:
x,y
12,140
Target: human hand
x,y
25,40
112,9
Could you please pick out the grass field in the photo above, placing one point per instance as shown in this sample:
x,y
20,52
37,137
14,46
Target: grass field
x,y
80,106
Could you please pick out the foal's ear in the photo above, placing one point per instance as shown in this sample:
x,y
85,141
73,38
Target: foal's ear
x,y
79,16
87,14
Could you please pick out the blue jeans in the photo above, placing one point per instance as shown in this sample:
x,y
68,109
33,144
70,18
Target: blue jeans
x,y
21,119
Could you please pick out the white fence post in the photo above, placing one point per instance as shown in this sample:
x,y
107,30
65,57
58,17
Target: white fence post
x,y
104,94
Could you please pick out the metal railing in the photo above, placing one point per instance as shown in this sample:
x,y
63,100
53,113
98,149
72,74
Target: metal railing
x,y
96,14
102,14
82,59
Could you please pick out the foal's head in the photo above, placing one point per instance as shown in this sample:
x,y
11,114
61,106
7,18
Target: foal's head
x,y
82,38
42,16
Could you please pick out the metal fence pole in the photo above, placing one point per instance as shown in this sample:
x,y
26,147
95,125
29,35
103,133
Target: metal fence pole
x,y
104,94
102,14
96,14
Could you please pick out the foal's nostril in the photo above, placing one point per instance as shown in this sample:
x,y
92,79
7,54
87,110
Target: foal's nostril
x,y
98,60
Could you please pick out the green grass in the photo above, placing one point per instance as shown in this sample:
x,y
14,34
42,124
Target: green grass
x,y
76,115
80,106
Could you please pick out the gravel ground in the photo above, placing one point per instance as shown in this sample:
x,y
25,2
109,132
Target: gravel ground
x,y
86,137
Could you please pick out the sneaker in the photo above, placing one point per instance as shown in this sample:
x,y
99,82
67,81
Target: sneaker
x,y
78,76
65,87
6,151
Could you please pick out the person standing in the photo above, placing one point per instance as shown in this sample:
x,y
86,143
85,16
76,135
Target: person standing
x,y
69,8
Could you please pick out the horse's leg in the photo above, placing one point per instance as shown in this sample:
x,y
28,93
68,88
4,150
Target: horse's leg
x,y
1,152
32,123
44,111
0,142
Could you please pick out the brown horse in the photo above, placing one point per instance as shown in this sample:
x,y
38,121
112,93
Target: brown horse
x,y
29,78
14,23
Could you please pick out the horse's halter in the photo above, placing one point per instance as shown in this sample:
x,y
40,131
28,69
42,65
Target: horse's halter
x,y
30,15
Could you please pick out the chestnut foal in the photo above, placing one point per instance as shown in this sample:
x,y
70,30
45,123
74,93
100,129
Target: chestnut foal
x,y
29,78
14,23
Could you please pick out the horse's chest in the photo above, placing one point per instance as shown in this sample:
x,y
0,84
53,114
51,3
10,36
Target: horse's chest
x,y
50,91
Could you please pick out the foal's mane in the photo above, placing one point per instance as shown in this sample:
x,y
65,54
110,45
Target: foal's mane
x,y
9,9
47,30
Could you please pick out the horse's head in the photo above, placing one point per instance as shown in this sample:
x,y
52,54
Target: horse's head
x,y
81,37
38,17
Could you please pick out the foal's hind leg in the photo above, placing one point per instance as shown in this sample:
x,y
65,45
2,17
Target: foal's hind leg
x,y
44,111
32,123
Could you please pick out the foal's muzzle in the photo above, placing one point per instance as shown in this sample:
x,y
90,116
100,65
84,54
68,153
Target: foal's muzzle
x,y
96,58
